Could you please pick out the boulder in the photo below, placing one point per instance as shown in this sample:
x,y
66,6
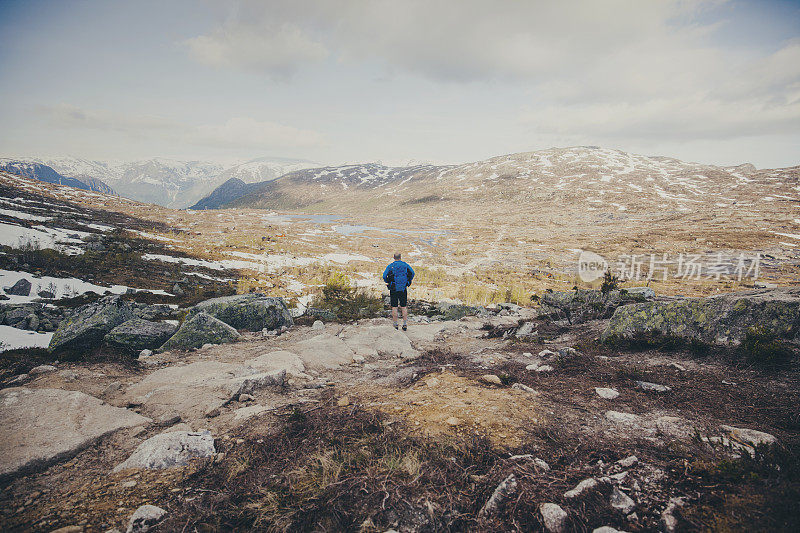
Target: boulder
x,y
554,517
20,288
44,426
253,312
88,324
144,518
137,334
168,449
200,329
584,304
722,320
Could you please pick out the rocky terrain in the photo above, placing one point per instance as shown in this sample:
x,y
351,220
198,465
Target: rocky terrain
x,y
174,370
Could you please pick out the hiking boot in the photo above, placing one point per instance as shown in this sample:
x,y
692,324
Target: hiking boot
x,y
405,328
395,326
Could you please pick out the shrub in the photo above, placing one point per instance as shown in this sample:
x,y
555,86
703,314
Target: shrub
x,y
610,282
764,349
345,301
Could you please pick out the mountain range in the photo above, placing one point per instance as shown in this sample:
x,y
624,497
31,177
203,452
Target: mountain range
x,y
592,176
165,182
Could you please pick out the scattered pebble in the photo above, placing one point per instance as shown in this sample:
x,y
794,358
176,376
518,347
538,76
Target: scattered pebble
x,y
491,379
607,394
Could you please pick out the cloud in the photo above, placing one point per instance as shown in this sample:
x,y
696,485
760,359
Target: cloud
x,y
237,132
466,40
69,116
277,49
611,69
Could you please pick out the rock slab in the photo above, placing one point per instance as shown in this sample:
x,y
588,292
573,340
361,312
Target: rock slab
x,y
44,426
722,320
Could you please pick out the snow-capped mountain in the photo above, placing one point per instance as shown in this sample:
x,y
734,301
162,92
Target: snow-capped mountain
x,y
265,169
46,173
166,182
594,177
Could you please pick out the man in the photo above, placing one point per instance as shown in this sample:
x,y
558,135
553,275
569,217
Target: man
x,y
398,276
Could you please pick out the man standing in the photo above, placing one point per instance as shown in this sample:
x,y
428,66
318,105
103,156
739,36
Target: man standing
x,y
398,276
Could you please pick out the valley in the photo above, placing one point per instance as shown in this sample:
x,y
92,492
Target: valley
x,y
255,338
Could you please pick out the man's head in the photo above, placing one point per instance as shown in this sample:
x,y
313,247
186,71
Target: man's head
x,y
397,256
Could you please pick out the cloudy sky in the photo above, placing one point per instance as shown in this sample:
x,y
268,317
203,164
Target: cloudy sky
x,y
432,80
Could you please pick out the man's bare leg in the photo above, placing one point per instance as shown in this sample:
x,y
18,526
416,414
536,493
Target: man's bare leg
x,y
405,316
394,316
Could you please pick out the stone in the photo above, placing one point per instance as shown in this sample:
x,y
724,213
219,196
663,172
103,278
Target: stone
x,y
20,379
491,379
145,518
169,449
145,353
501,494
621,501
20,288
567,353
628,462
45,426
344,401
652,387
545,368
68,375
524,388
722,320
138,334
606,394
675,427
252,312
177,290
199,330
246,398
547,354
112,387
750,437
68,529
453,421
255,382
526,330
245,413
554,517
669,522
582,488
85,327
318,326
606,529
41,369
623,418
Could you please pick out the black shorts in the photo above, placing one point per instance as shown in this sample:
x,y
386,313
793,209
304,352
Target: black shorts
x,y
398,296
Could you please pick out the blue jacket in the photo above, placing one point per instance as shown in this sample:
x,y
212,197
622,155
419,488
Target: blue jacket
x,y
401,275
